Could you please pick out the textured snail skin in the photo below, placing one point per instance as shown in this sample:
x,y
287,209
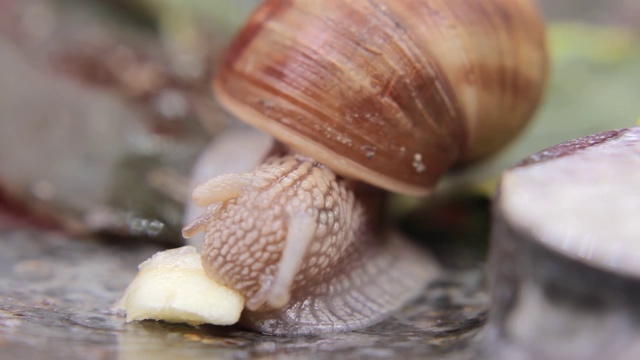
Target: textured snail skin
x,y
249,148
389,92
309,250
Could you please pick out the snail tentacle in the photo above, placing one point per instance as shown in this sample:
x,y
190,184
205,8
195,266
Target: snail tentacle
x,y
301,229
199,224
220,188
276,290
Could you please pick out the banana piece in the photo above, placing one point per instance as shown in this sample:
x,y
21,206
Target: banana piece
x,y
172,286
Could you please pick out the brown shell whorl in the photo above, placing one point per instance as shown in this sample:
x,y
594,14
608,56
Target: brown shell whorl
x,y
390,92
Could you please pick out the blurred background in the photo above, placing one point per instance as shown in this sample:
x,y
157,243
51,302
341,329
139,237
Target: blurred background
x,y
105,105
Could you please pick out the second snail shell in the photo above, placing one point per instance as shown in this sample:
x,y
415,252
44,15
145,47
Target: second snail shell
x,y
393,93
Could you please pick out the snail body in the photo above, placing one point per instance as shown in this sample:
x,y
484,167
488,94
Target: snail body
x,y
361,96
309,250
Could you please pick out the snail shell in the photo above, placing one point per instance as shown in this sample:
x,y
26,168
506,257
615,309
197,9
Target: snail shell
x,y
389,92
392,93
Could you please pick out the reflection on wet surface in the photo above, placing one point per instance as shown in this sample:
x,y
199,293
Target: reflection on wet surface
x,y
56,295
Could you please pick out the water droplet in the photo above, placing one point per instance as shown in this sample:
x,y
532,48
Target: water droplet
x,y
369,151
137,225
148,227
418,165
154,228
344,139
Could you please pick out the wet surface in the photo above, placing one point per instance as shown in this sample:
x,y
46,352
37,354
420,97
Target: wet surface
x,y
56,294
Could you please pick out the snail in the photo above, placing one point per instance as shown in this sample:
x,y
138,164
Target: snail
x,y
364,98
